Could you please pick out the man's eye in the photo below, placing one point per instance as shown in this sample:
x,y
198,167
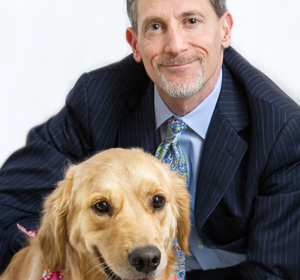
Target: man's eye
x,y
192,21
154,27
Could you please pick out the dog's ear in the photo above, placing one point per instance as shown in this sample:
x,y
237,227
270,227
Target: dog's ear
x,y
52,234
182,200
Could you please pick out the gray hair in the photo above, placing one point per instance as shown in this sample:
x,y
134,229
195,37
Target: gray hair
x,y
218,5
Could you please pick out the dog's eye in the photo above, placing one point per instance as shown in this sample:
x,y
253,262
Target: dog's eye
x,y
102,207
158,202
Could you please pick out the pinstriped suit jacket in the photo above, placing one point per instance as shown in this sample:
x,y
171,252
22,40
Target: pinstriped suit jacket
x,y
248,191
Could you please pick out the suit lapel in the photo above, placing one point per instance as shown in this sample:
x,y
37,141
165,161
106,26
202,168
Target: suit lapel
x,y
138,128
223,150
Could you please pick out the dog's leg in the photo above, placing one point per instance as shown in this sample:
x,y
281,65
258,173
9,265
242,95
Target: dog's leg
x,y
27,264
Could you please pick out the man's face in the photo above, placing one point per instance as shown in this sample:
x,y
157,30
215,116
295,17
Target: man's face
x,y
180,43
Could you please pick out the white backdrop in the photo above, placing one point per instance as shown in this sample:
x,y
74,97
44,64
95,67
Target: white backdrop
x,y
45,45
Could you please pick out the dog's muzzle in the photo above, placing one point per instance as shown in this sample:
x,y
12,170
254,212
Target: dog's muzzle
x,y
144,260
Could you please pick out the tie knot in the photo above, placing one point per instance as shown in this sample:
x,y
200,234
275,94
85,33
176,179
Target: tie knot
x,y
174,130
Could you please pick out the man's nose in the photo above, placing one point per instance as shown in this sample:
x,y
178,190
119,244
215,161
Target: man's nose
x,y
175,41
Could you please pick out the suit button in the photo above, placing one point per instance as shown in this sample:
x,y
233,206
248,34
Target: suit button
x,y
200,246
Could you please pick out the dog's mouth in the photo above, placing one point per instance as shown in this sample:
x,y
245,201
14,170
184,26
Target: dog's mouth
x,y
111,275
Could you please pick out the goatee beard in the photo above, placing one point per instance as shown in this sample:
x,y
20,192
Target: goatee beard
x,y
184,88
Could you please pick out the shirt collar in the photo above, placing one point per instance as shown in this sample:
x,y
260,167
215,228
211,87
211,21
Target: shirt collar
x,y
198,119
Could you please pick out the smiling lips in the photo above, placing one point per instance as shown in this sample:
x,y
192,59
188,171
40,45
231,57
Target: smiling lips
x,y
178,63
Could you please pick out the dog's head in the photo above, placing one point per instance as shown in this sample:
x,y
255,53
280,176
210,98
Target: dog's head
x,y
120,209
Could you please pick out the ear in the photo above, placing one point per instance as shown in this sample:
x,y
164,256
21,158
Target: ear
x,y
132,38
227,23
52,235
182,200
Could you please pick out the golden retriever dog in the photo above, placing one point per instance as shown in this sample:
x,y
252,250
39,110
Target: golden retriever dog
x,y
113,216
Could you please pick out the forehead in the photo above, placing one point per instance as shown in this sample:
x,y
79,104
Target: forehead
x,y
163,8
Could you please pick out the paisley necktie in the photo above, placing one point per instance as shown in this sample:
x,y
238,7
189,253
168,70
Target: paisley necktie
x,y
170,152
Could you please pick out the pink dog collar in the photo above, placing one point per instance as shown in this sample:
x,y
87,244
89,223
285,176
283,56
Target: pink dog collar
x,y
56,275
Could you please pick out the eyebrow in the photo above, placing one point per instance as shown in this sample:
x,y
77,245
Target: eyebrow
x,y
150,19
193,13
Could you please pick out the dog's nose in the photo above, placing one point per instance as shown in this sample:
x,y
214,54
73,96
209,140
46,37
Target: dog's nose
x,y
145,259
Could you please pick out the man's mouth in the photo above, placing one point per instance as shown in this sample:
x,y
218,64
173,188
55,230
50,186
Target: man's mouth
x,y
182,65
178,62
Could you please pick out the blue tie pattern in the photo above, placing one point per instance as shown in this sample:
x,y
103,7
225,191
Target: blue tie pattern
x,y
170,152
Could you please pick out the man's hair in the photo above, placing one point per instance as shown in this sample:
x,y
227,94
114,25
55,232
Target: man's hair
x,y
218,5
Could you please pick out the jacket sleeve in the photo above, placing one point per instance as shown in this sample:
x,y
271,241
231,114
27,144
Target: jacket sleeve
x,y
32,172
274,235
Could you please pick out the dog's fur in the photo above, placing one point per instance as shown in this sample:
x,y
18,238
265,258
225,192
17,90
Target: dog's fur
x,y
73,233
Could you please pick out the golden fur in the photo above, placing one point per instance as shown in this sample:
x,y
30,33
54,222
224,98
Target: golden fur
x,y
72,231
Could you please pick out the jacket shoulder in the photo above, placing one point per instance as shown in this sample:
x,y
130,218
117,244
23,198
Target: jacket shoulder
x,y
125,67
116,82
259,89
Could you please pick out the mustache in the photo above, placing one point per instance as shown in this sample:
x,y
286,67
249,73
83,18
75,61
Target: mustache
x,y
178,60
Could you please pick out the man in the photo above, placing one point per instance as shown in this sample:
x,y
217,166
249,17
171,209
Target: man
x,y
241,144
